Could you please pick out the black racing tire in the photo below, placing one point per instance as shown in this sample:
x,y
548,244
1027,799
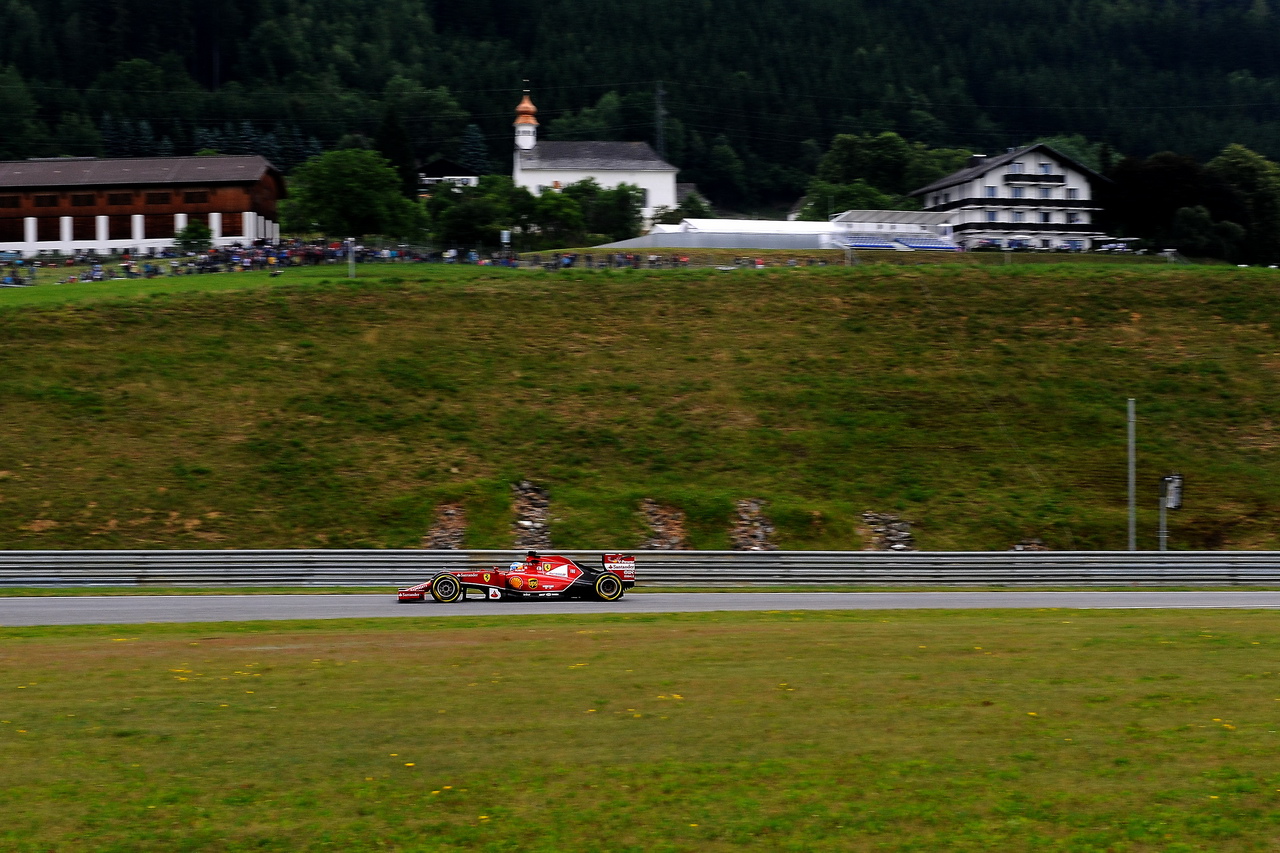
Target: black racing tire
x,y
607,587
446,588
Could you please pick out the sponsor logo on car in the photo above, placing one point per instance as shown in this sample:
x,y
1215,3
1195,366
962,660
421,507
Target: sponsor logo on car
x,y
533,583
517,582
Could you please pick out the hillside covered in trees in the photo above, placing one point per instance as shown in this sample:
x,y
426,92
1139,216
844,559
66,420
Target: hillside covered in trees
x,y
754,91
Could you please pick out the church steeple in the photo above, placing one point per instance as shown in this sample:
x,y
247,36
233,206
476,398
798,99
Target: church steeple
x,y
525,123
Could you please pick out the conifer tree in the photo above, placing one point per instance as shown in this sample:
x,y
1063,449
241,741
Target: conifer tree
x,y
269,147
112,138
143,139
203,140
474,151
392,142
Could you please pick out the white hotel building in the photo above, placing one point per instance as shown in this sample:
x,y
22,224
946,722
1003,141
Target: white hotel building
x,y
1030,197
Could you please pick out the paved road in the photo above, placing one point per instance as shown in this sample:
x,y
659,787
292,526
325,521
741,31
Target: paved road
x,y
122,610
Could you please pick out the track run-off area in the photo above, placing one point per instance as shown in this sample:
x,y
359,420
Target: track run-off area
x,y
141,609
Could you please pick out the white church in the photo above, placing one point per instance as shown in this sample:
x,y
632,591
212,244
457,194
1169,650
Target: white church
x,y
543,166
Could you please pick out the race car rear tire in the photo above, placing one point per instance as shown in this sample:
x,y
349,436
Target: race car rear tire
x,y
445,588
607,587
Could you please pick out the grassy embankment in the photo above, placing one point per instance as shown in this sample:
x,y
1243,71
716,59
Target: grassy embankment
x,y
1011,731
985,405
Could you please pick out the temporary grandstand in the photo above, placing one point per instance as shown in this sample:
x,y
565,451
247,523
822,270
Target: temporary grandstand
x,y
902,230
735,234
896,230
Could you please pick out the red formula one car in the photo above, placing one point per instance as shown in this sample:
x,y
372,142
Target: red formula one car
x,y
537,576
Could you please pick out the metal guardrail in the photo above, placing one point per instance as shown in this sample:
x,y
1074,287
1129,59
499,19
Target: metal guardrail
x,y
653,568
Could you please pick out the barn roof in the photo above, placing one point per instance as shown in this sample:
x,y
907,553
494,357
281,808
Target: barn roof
x,y
132,171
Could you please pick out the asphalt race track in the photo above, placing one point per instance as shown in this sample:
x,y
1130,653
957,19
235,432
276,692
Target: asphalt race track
x,y
132,610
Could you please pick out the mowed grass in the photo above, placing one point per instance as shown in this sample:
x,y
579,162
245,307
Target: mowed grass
x,y
887,731
985,405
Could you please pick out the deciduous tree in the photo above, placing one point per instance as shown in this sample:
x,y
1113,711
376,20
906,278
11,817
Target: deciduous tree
x,y
351,192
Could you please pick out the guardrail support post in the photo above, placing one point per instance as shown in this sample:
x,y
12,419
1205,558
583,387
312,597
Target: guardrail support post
x,y
1133,475
1164,524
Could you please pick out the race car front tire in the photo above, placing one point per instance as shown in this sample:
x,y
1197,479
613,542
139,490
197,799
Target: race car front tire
x,y
607,587
445,588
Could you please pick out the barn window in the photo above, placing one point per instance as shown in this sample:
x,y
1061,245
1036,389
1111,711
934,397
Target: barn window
x,y
119,198
10,201
198,197
159,198
82,200
46,201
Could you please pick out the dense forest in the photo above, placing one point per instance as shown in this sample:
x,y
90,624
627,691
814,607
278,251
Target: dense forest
x,y
751,92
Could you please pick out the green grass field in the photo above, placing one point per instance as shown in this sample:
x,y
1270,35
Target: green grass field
x,y
889,731
985,405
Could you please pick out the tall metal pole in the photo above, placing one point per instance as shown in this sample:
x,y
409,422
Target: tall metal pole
x,y
1133,475
351,257
660,120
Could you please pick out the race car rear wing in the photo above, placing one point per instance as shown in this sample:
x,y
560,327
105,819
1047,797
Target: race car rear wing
x,y
622,565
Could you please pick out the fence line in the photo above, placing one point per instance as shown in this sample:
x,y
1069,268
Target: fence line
x,y
653,568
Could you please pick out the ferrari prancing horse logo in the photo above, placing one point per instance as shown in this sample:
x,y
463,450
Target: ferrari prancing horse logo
x,y
487,577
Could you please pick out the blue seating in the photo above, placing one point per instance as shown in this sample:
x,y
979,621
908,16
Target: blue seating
x,y
866,241
927,243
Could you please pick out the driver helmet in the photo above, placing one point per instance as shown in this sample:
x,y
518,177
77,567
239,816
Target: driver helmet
x,y
515,567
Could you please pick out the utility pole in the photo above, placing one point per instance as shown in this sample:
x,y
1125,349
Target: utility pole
x,y
659,120
1133,474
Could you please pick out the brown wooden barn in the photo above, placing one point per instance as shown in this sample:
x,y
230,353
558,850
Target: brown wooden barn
x,y
91,205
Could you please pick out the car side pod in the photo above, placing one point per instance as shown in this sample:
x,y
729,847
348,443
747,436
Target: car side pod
x,y
446,588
